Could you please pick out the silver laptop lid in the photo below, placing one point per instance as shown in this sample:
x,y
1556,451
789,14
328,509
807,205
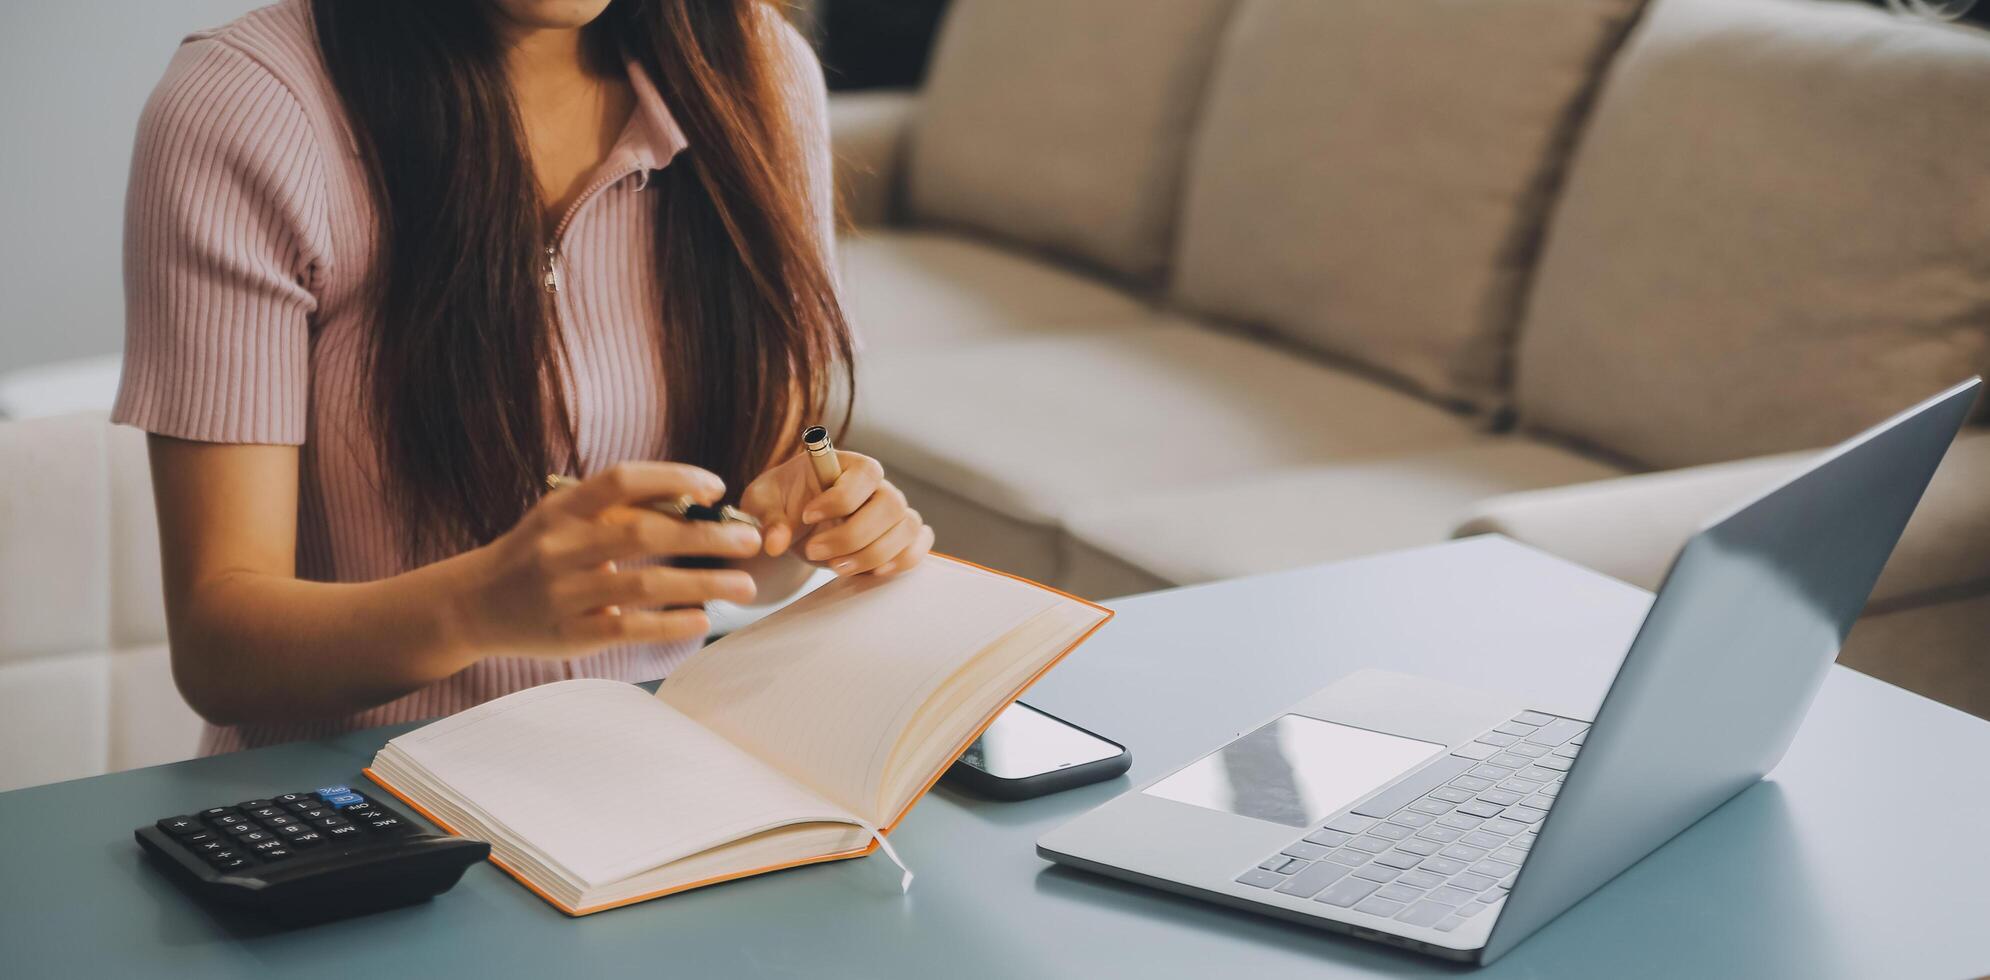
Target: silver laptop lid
x,y
1733,649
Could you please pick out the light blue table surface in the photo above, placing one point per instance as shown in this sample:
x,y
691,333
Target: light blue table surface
x,y
1863,855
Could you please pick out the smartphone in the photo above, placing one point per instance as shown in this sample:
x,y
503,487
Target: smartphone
x,y
1029,752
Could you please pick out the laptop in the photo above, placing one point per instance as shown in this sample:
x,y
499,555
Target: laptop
x,y
1457,822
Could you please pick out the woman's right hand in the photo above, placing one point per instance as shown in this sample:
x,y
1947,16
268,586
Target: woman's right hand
x,y
551,586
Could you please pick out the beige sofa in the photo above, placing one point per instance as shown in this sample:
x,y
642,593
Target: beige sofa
x,y
1153,294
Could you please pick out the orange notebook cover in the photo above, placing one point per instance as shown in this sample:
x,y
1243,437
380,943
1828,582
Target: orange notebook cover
x,y
928,666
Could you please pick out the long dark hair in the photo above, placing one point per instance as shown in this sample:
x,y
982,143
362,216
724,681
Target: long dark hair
x,y
465,380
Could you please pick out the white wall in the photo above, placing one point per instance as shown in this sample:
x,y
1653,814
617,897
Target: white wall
x,y
73,76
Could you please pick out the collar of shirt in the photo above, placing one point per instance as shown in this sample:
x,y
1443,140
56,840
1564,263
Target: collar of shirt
x,y
649,141
652,137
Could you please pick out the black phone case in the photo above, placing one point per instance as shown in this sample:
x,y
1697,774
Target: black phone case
x,y
981,783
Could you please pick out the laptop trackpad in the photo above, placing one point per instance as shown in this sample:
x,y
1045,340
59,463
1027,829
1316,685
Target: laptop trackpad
x,y
1294,770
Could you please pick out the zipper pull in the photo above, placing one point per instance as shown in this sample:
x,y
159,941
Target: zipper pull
x,y
552,278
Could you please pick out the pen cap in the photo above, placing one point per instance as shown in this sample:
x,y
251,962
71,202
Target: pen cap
x,y
821,455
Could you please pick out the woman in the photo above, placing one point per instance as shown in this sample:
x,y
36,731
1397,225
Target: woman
x,y
389,265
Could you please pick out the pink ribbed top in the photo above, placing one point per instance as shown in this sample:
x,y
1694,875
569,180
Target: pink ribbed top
x,y
249,232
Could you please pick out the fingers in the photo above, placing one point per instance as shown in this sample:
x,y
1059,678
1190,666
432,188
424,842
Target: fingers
x,y
636,626
775,498
910,557
775,536
640,533
861,477
885,509
651,587
888,545
634,482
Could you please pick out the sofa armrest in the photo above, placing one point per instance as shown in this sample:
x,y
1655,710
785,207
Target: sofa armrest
x,y
867,132
1631,527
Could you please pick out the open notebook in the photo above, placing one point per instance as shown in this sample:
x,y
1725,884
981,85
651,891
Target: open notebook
x,y
804,737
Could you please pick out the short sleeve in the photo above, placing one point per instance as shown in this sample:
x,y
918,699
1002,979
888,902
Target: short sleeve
x,y
224,226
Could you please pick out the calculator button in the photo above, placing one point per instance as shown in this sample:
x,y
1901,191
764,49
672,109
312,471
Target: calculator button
x,y
240,829
197,837
290,829
329,821
180,826
318,812
265,811
343,800
278,822
309,838
265,845
275,853
345,832
251,804
304,806
357,811
284,799
210,847
330,791
254,837
390,825
232,864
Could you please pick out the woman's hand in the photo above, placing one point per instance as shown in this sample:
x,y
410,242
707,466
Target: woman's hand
x,y
551,585
860,525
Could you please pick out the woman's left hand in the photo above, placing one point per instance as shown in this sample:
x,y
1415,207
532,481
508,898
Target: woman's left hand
x,y
860,525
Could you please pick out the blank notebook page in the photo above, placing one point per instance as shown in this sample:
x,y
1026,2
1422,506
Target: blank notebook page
x,y
605,780
823,688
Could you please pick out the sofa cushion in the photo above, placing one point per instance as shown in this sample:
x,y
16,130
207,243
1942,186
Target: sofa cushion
x,y
1063,125
1776,233
85,677
137,591
1288,518
905,290
58,720
1370,176
1935,651
867,134
149,723
1032,428
1631,528
55,538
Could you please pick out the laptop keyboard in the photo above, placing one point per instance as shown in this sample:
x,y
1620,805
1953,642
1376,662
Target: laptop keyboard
x,y
1444,843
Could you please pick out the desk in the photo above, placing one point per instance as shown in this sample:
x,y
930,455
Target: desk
x,y
1862,856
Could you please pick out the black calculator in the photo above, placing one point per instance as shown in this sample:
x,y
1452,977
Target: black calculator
x,y
304,857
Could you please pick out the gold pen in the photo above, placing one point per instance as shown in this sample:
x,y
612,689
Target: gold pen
x,y
822,455
682,508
